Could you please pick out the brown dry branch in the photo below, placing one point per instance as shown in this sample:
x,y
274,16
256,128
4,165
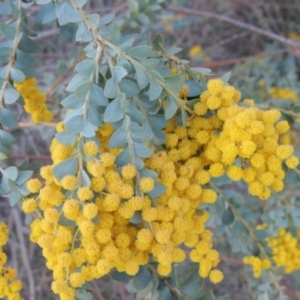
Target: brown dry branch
x,y
247,26
17,220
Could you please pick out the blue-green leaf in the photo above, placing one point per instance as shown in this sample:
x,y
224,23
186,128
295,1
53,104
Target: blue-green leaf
x,y
141,150
119,73
67,167
86,67
23,176
227,217
142,278
6,138
110,90
15,196
155,90
82,90
142,77
118,139
171,107
11,173
140,52
72,102
66,137
159,189
113,111
11,95
8,31
97,96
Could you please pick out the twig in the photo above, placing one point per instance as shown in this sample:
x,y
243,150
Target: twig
x,y
247,26
97,291
19,226
32,157
27,124
122,291
233,61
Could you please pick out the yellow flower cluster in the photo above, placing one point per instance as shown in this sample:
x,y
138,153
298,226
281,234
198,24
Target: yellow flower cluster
x,y
115,223
283,93
241,141
9,286
258,264
102,236
286,253
34,101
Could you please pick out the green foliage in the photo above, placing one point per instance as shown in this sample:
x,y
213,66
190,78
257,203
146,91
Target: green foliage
x,y
129,83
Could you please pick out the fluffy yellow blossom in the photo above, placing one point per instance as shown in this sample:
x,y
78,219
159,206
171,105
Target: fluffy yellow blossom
x,y
107,159
146,184
292,162
90,210
29,205
76,280
215,86
9,286
128,171
183,93
215,276
85,193
90,148
34,185
35,101
69,182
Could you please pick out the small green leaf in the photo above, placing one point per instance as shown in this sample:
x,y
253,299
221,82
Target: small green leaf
x,y
15,196
97,96
76,81
140,52
11,95
11,173
155,90
67,167
296,109
85,179
42,2
86,67
6,138
227,217
110,90
94,117
28,45
66,137
120,276
192,285
171,108
83,294
158,43
142,278
82,90
129,87
119,73
71,102
136,218
225,78
8,31
17,75
159,189
63,221
166,294
23,176
113,112
118,139
208,296
142,77
141,150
